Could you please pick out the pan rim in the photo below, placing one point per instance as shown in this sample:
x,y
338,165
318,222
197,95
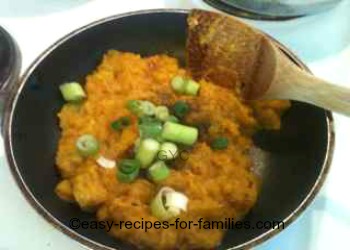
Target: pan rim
x,y
84,241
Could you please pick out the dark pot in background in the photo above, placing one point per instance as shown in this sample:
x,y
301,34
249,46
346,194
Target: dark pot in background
x,y
273,9
10,64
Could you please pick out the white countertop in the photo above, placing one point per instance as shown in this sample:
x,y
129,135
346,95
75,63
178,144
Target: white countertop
x,y
322,41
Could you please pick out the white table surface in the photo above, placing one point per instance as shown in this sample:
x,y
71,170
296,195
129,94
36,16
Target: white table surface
x,y
322,41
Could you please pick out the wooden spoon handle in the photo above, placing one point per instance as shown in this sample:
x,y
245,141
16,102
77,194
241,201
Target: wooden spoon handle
x,y
291,82
301,86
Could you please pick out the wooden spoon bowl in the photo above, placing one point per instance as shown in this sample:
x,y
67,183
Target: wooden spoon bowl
x,y
237,56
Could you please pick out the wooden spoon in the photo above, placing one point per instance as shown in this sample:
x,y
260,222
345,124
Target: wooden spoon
x,y
235,55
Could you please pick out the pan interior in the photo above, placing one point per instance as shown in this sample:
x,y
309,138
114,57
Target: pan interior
x,y
294,156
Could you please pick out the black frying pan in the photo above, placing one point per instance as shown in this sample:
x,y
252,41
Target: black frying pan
x,y
298,156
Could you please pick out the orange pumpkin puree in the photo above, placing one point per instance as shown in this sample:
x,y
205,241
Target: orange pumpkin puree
x,y
219,183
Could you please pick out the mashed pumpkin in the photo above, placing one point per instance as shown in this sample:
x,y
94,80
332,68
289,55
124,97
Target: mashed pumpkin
x,y
218,183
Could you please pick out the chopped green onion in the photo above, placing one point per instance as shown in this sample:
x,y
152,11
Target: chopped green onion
x,y
128,170
87,145
176,200
219,143
120,123
72,92
178,84
168,151
168,204
135,107
147,119
150,128
179,133
141,108
128,166
105,163
158,171
158,207
180,109
172,118
162,113
148,108
147,152
185,86
191,87
123,177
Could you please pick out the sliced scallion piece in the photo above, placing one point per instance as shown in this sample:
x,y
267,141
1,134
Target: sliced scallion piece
x,y
87,145
191,88
172,118
128,166
150,128
178,84
176,200
158,171
72,92
185,86
135,107
148,108
105,162
120,123
179,133
162,113
147,119
128,170
141,108
168,204
168,151
147,152
123,177
158,207
219,143
180,109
